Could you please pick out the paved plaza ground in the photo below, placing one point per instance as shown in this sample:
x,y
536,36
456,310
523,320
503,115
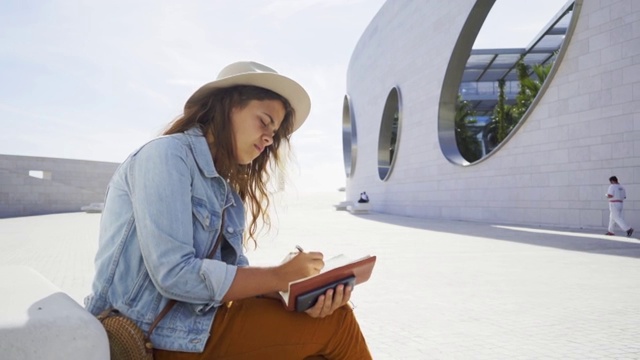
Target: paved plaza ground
x,y
440,289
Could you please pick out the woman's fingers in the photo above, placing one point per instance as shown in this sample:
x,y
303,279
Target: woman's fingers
x,y
301,265
313,261
330,301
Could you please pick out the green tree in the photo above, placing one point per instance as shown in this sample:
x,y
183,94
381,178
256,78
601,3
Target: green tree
x,y
501,112
505,117
467,142
501,121
529,86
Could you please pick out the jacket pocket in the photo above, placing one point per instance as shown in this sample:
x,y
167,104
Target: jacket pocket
x,y
205,216
142,281
206,222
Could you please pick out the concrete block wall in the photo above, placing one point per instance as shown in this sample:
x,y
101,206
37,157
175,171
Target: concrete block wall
x,y
553,170
66,186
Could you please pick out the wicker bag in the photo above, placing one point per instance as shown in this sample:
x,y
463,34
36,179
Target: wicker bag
x,y
126,340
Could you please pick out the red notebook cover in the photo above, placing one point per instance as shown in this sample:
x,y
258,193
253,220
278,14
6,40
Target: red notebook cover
x,y
360,268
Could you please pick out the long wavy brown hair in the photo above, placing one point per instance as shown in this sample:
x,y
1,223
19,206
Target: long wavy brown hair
x,y
213,116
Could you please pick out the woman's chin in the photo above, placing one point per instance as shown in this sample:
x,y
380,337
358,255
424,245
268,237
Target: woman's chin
x,y
245,161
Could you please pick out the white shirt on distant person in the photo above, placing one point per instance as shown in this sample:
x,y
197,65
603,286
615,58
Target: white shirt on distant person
x,y
617,191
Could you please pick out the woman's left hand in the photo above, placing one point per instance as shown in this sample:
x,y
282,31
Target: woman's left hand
x,y
330,301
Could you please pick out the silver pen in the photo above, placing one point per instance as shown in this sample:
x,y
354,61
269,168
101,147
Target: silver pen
x,y
299,248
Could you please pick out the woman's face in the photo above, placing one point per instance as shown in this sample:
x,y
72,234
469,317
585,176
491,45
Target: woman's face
x,y
254,126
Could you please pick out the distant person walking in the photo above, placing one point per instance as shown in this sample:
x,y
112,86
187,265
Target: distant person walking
x,y
364,198
616,195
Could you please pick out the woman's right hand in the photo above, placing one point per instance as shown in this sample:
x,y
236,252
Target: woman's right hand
x,y
251,281
300,265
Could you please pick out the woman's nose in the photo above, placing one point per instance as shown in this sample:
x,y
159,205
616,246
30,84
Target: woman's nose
x,y
268,139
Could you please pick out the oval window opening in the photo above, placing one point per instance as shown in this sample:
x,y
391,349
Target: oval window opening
x,y
490,94
349,138
389,134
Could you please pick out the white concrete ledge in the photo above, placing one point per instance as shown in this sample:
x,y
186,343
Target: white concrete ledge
x,y
343,205
38,321
359,208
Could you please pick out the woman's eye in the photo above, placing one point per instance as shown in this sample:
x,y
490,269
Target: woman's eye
x,y
264,124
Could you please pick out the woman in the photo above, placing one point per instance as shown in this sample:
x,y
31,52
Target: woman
x,y
165,207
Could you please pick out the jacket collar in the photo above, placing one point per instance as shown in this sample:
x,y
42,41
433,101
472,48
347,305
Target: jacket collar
x,y
201,152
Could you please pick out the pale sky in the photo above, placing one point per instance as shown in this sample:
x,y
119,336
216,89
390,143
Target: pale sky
x,y
94,80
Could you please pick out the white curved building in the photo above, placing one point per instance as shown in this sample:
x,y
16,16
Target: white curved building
x,y
552,170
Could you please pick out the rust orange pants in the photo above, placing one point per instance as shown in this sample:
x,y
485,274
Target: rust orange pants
x,y
260,328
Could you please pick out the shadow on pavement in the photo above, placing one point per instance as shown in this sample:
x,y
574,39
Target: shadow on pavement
x,y
559,238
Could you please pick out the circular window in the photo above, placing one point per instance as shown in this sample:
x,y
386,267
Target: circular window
x,y
349,138
389,134
488,93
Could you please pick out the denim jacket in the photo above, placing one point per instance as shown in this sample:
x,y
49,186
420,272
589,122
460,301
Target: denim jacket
x,y
163,213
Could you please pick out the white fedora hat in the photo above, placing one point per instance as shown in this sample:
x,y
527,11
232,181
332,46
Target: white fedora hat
x,y
256,74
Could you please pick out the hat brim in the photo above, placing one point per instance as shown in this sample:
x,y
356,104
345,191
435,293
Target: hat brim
x,y
280,84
